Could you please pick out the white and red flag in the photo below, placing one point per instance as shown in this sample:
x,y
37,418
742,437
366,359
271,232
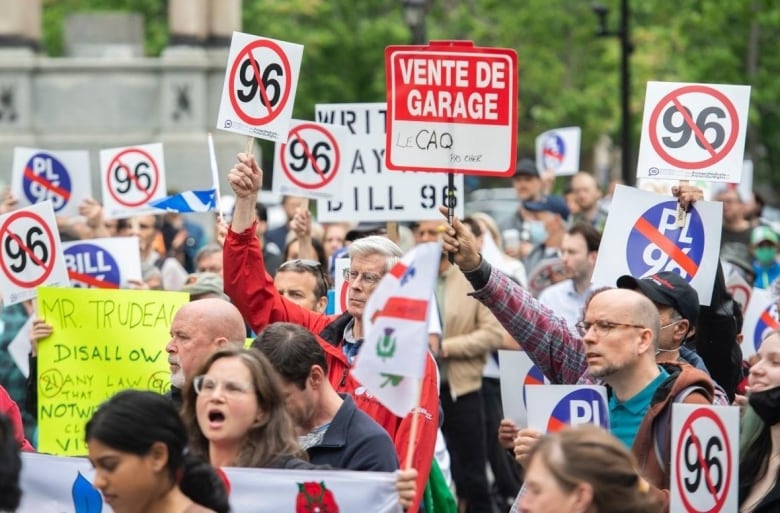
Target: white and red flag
x,y
395,323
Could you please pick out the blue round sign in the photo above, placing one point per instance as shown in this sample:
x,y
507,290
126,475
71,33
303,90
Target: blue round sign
x,y
553,152
46,178
534,377
583,406
90,266
657,244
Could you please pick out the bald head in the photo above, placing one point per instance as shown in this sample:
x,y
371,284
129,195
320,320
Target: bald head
x,y
199,329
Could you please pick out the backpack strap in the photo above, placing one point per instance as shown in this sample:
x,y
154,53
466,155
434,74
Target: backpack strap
x,y
662,425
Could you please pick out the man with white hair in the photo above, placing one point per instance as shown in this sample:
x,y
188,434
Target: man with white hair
x,y
341,337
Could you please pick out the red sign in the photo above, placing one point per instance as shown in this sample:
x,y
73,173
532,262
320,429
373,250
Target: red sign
x,y
451,107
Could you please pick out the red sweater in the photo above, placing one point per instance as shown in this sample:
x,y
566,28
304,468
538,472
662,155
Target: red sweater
x,y
252,290
9,408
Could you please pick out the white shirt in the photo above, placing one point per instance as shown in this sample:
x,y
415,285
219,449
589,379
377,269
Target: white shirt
x,y
564,300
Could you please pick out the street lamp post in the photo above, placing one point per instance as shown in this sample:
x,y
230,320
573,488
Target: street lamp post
x,y
414,16
625,81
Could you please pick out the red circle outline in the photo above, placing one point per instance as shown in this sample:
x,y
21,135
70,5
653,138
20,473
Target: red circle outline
x,y
343,296
49,235
234,102
661,151
701,413
156,182
337,160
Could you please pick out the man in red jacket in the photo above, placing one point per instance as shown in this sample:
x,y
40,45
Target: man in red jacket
x,y
252,290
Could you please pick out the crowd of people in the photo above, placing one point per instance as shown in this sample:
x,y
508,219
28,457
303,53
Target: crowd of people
x,y
521,283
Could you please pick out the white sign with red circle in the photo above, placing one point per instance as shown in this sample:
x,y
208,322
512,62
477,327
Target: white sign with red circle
x,y
259,90
704,458
30,252
340,286
313,160
693,132
452,108
131,177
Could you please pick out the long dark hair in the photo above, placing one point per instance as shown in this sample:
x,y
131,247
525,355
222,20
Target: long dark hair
x,y
265,442
133,420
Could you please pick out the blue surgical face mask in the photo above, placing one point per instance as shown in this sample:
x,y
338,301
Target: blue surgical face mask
x,y
537,232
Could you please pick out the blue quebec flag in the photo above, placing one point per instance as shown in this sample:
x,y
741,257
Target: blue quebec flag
x,y
188,201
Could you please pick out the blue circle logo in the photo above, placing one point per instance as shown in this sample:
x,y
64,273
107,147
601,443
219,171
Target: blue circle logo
x,y
766,324
657,244
553,152
90,266
583,406
46,178
534,377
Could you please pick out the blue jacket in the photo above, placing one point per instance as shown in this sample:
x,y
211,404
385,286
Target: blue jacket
x,y
354,441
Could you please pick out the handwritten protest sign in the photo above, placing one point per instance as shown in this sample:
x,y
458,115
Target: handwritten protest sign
x,y
103,341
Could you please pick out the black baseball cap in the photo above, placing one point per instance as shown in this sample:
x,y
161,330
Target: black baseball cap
x,y
526,167
666,288
551,203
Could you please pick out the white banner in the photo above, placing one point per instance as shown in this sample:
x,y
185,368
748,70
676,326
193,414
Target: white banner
x,y
64,485
559,150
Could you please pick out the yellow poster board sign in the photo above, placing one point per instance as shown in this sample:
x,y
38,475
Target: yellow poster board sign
x,y
103,341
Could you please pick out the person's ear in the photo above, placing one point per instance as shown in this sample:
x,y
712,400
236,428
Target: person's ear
x,y
316,376
158,455
582,496
321,305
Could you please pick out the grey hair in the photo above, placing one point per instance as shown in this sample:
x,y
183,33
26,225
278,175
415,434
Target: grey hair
x,y
376,245
208,250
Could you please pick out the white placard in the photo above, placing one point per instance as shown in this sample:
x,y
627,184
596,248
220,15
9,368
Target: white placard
x,y
693,131
517,372
559,150
370,192
641,238
261,79
552,407
313,161
131,177
340,286
704,458
106,263
61,177
30,253
761,319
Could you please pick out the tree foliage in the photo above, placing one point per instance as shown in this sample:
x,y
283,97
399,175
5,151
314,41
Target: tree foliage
x,y
568,75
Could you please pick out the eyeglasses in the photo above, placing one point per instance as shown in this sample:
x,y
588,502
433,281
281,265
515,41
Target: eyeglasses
x,y
305,264
368,278
207,386
602,328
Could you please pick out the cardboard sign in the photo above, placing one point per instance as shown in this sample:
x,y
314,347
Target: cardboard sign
x,y
259,90
518,373
552,407
559,150
131,177
62,177
106,263
705,458
693,131
30,252
451,107
369,192
644,239
103,341
313,161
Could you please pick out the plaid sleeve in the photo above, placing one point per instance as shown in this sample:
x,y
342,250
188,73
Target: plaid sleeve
x,y
549,342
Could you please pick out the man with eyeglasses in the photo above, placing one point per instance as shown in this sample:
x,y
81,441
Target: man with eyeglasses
x,y
255,295
302,281
616,346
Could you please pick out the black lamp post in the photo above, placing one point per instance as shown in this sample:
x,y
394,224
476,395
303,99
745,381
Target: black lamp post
x,y
414,16
626,48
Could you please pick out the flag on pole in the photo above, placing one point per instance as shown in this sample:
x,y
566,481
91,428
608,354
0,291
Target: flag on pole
x,y
214,173
188,201
395,324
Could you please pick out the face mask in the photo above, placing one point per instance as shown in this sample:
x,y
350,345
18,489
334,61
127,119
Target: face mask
x,y
766,255
766,404
537,233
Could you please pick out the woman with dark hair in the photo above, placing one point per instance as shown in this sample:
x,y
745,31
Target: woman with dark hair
x,y
759,448
584,469
10,467
138,446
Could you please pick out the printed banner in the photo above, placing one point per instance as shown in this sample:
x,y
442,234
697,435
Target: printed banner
x,y
61,484
103,341
551,407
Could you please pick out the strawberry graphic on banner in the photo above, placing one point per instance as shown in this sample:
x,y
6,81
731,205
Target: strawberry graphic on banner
x,y
395,324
